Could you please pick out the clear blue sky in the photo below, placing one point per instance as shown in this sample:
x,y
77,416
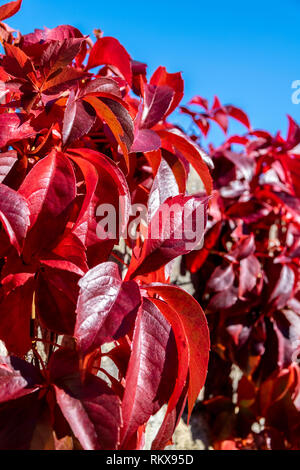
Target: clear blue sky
x,y
246,52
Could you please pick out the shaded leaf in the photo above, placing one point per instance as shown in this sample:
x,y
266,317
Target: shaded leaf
x,y
92,411
17,378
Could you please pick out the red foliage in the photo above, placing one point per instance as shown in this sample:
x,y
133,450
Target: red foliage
x,y
247,279
71,141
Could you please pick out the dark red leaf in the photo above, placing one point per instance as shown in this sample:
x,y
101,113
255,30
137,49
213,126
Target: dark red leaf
x,y
224,299
79,118
16,309
196,330
56,295
282,285
157,100
164,186
19,419
106,307
172,80
58,54
92,411
250,271
145,369
14,216
101,87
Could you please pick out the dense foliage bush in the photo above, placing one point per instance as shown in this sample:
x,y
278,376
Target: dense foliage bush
x,y
247,280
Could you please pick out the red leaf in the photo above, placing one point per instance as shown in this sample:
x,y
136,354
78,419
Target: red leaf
x,y
182,344
200,101
92,411
238,114
203,123
14,127
16,307
106,185
58,54
14,216
50,190
121,125
169,424
18,64
157,100
164,186
281,285
109,51
56,34
145,369
192,154
9,9
179,167
196,330
79,118
7,161
56,295
101,87
250,270
171,233
195,259
222,278
224,299
174,81
106,307
71,250
145,140
17,378
62,82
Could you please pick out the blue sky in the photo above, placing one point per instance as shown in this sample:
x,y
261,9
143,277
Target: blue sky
x,y
246,52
